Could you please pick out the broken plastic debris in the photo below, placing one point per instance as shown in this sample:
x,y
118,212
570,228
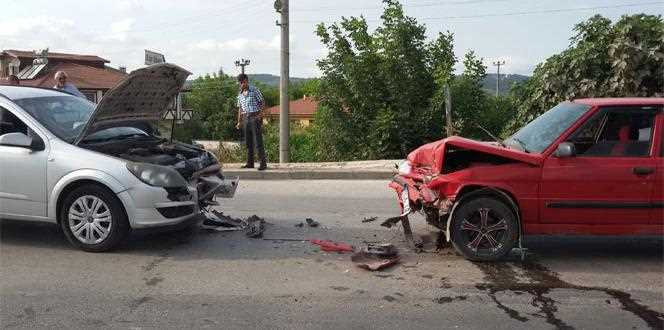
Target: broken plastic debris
x,y
365,220
255,227
330,246
312,222
391,222
373,262
217,221
384,250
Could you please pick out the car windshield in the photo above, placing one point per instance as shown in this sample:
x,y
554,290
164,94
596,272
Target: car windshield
x,y
65,116
541,132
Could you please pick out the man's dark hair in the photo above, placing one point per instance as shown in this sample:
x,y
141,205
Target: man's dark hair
x,y
242,77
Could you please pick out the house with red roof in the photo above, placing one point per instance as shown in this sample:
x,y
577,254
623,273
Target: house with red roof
x,y
89,73
300,111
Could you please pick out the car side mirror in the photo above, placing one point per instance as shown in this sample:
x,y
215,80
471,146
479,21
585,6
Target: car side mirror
x,y
22,141
565,150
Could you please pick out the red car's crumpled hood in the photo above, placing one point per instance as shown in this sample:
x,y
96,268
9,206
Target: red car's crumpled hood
x,y
431,155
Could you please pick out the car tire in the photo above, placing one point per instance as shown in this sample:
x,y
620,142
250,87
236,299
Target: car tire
x,y
93,218
484,229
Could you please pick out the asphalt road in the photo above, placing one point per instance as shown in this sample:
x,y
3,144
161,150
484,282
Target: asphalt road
x,y
207,279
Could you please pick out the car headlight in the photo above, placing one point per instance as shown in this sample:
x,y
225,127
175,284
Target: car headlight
x,y
157,176
404,168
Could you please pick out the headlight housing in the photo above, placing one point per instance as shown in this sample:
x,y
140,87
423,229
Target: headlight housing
x,y
156,176
405,168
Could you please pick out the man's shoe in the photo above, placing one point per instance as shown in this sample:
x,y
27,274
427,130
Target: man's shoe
x,y
247,166
263,167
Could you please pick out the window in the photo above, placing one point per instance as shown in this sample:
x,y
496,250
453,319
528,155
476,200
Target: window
x,y
541,132
64,116
9,123
616,132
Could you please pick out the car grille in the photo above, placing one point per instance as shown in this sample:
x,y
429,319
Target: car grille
x,y
176,211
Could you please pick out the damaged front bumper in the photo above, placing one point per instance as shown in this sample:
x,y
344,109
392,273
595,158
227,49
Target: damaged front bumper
x,y
149,207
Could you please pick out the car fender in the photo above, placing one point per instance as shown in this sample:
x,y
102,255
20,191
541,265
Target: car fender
x,y
483,191
83,174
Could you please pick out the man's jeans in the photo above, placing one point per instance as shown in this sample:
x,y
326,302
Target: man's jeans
x,y
252,125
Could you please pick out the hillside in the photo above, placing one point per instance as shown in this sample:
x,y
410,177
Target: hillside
x,y
489,84
270,79
506,82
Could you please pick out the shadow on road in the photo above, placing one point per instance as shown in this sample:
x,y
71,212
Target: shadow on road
x,y
202,244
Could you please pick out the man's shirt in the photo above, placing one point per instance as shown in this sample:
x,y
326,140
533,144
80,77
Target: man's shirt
x,y
251,102
71,89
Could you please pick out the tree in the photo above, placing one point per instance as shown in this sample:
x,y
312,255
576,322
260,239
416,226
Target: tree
x,y
213,99
603,60
377,87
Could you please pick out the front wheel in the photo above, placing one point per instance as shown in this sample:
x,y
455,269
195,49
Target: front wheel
x,y
484,229
93,219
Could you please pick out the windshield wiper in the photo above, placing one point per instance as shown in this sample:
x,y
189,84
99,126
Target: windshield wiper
x,y
521,143
492,136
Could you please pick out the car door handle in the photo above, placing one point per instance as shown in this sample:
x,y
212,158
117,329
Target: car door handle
x,y
643,170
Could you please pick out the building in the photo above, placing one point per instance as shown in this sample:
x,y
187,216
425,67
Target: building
x,y
300,111
89,73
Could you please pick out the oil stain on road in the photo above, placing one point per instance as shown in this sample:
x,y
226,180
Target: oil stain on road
x,y
539,282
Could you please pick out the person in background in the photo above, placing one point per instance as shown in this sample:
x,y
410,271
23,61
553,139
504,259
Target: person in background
x,y
250,105
62,84
13,80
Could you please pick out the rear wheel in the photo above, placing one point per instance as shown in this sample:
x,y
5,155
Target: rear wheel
x,y
93,219
484,229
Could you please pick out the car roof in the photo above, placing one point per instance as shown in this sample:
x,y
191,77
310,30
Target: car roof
x,y
621,101
21,92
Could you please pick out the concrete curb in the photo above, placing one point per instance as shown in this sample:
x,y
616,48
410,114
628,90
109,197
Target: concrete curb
x,y
293,174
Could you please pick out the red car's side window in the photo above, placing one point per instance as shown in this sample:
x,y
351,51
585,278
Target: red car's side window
x,y
616,132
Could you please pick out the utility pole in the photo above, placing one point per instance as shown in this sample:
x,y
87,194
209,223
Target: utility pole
x,y
281,6
498,64
448,111
242,63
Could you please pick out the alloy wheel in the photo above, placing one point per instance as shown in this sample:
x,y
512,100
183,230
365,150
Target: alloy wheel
x,y
90,219
484,230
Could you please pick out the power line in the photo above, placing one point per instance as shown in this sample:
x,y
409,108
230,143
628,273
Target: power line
x,y
520,13
548,11
434,4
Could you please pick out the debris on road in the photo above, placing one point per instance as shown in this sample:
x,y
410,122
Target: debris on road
x,y
255,226
376,256
299,224
388,223
372,262
311,222
330,246
384,250
217,221
370,219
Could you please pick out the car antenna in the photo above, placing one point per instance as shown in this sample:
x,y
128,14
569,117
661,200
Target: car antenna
x,y
491,135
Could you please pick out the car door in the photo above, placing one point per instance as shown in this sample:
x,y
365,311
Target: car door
x,y
658,191
22,172
610,179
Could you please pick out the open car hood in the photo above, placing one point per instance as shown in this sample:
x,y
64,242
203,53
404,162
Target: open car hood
x,y
144,96
432,155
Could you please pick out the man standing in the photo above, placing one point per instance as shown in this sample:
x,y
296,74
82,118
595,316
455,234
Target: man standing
x,y
250,105
62,84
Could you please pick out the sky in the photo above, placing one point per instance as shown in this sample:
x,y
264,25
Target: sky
x,y
206,35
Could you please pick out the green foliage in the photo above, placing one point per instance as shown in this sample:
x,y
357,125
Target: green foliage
x,y
302,147
213,99
380,91
625,58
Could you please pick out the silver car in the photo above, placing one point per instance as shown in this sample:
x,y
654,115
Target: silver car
x,y
102,171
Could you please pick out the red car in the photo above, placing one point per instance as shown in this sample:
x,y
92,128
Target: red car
x,y
590,166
